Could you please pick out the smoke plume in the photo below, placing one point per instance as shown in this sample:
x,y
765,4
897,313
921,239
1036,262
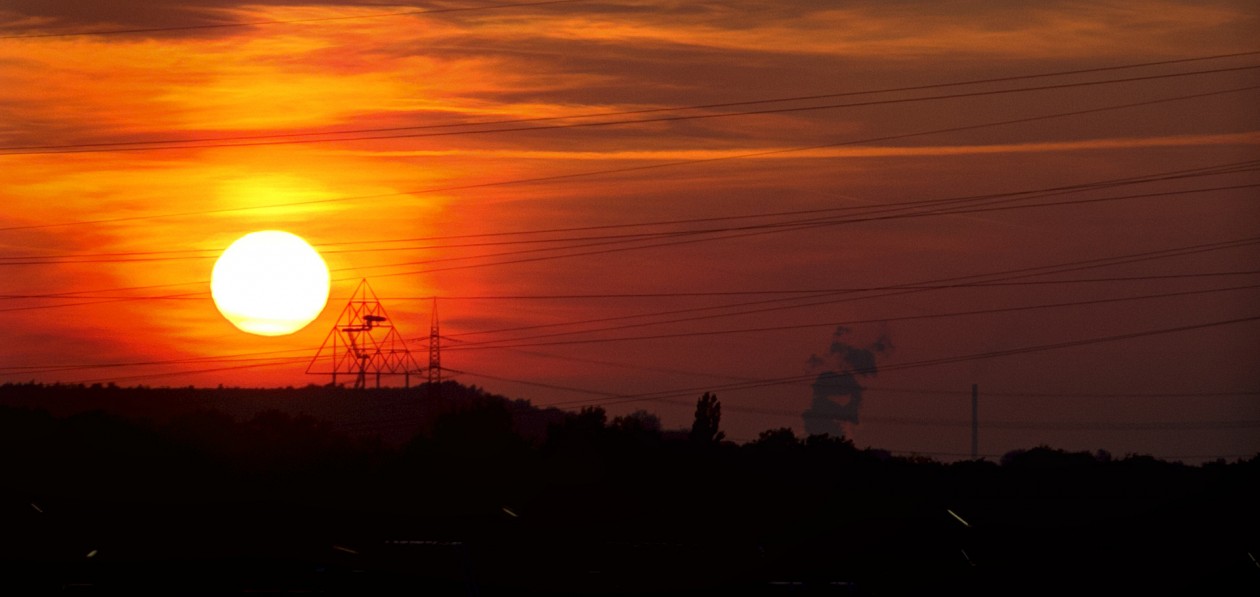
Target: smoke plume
x,y
837,393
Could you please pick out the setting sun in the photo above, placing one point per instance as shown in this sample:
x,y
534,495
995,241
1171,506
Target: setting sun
x,y
270,283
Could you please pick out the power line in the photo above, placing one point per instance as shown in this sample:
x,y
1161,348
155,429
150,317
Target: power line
x,y
913,287
889,207
603,363
1085,395
89,303
1019,425
899,290
537,384
271,140
745,330
883,389
1209,170
909,289
209,26
647,167
791,291
1199,171
257,356
234,358
202,296
265,363
651,396
923,286
728,233
630,239
765,228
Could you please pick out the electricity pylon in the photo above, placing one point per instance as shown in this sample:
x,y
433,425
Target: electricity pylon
x,y
364,340
435,350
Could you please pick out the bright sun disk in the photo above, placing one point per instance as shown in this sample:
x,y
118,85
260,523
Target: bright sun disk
x,y
270,283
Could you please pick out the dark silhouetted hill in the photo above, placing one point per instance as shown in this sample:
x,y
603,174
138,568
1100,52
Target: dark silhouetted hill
x,y
457,491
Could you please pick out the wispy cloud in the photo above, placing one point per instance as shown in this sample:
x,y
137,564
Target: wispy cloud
x,y
787,153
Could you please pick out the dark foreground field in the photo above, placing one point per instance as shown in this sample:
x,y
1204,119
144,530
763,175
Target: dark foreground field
x,y
113,491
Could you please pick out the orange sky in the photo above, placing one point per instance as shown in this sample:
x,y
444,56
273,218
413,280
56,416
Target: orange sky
x,y
138,139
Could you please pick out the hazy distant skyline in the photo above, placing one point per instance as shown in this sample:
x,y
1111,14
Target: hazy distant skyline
x,y
138,139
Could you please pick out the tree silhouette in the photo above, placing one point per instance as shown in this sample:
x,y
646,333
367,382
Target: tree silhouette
x,y
635,433
708,417
639,421
782,438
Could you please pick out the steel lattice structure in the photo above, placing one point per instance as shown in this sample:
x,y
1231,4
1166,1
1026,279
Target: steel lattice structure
x,y
364,341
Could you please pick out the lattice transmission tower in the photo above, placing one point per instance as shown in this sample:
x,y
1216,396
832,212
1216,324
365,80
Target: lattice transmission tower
x,y
364,341
435,350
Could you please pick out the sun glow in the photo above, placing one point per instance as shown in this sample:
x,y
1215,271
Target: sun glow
x,y
270,283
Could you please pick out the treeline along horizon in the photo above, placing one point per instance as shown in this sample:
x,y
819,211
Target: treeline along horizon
x,y
170,481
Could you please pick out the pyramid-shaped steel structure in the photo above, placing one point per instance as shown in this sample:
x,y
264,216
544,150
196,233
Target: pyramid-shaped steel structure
x,y
364,341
